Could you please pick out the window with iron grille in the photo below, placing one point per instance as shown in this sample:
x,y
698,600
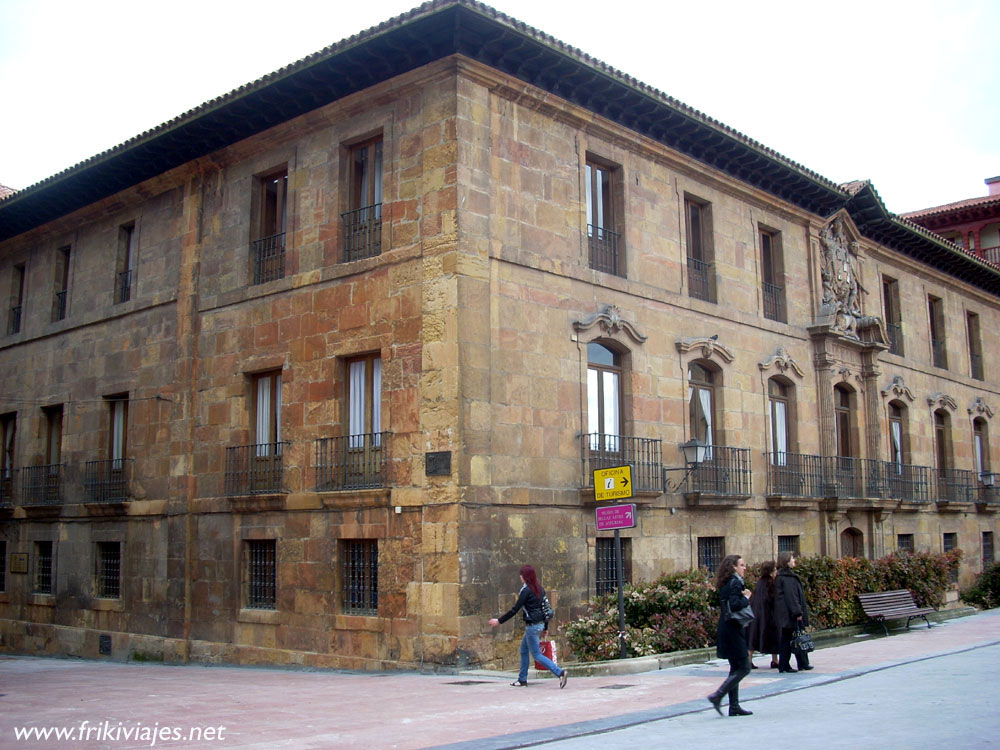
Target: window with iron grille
x,y
772,275
16,300
3,566
61,283
108,582
360,577
607,577
43,567
700,252
261,577
711,550
949,542
363,218
939,348
789,543
904,543
267,249
604,235
988,554
893,318
125,276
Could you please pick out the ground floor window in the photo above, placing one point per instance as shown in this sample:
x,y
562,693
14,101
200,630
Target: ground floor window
x,y
607,578
108,573
261,573
360,580
988,554
711,550
904,543
789,543
43,567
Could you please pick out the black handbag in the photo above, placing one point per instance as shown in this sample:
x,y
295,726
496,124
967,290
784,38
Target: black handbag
x,y
802,641
742,616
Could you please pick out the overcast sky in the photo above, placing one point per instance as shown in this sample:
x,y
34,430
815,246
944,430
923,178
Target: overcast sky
x,y
906,94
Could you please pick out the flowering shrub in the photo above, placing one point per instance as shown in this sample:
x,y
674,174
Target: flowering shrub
x,y
985,592
679,612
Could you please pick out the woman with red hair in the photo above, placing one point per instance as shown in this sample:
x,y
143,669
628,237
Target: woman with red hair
x,y
529,600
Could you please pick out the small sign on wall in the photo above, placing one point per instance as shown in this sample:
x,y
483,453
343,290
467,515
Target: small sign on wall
x,y
19,562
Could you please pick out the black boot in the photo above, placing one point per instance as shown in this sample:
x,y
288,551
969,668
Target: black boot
x,y
716,700
734,703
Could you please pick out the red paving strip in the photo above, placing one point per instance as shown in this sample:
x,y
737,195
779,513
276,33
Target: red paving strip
x,y
272,708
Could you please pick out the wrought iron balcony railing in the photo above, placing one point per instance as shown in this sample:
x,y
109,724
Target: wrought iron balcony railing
x,y
267,256
955,486
726,471
644,455
107,481
700,281
123,287
604,255
255,469
989,489
774,302
911,484
362,233
41,485
352,462
14,321
991,254
895,333
794,474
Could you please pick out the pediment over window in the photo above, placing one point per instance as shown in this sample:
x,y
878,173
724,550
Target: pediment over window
x,y
980,408
898,389
709,347
610,320
783,361
942,399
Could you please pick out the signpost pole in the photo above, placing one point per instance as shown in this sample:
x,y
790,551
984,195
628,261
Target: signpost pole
x,y
621,592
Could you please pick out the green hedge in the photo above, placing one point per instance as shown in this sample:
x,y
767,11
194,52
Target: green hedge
x,y
679,612
985,592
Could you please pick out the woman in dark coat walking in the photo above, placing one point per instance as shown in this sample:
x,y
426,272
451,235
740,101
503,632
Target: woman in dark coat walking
x,y
731,642
791,611
763,633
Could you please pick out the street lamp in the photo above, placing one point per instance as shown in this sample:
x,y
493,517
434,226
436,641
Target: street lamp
x,y
694,452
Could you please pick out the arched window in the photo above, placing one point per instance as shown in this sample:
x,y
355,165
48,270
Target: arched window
x,y
852,543
981,445
701,403
779,394
604,370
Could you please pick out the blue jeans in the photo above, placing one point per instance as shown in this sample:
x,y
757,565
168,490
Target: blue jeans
x,y
529,644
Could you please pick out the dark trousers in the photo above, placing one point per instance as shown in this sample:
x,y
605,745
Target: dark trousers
x,y
785,654
739,667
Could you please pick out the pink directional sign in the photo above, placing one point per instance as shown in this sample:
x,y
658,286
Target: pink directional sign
x,y
615,517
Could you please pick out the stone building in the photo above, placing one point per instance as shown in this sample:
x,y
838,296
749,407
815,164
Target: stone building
x,y
972,223
304,375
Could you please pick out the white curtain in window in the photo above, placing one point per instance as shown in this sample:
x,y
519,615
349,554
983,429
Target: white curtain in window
x,y
611,426
356,408
376,426
896,435
779,415
593,407
978,449
263,426
117,432
590,203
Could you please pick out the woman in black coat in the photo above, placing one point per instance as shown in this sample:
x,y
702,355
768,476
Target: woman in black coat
x,y
763,633
731,642
791,611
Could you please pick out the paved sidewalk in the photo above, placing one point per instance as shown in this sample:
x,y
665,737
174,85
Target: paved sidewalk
x,y
271,708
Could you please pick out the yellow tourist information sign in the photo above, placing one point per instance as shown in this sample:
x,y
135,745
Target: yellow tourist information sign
x,y
613,483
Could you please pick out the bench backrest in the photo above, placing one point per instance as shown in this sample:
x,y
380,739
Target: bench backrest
x,y
880,600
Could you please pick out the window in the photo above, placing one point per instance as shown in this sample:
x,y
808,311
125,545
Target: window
x,y
604,371
789,543
8,432
108,573
779,394
363,218
364,398
942,442
898,437
949,541
939,351
700,253
360,576
711,550
16,300
975,346
701,404
904,543
267,249
261,574
988,554
118,429
267,413
772,275
125,279
61,283
893,319
607,577
981,445
843,406
3,566
53,433
43,567
603,232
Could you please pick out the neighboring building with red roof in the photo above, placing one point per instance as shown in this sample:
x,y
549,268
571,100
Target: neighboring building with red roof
x,y
973,223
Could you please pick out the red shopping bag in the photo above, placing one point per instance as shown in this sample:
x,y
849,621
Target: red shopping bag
x,y
548,648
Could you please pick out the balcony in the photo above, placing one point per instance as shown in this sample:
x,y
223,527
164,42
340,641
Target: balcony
x,y
774,302
700,280
354,462
123,287
362,233
895,333
604,254
644,455
954,489
723,478
14,321
267,258
255,469
908,483
988,492
991,254
107,481
794,475
42,485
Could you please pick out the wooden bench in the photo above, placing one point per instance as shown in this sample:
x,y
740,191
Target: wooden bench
x,y
893,605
